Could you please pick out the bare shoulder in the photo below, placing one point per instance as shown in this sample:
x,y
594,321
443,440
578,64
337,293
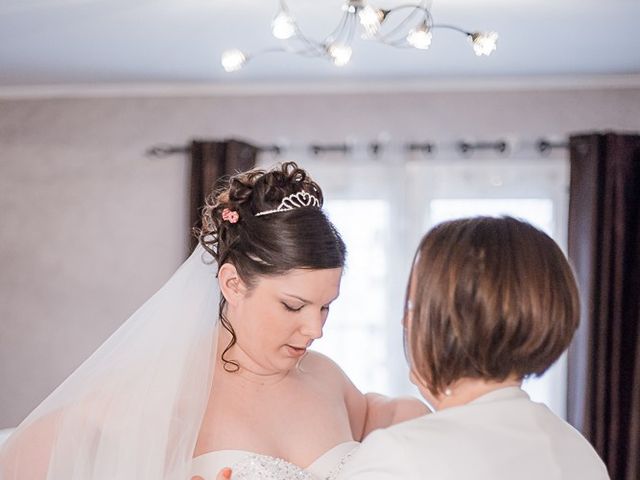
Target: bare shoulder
x,y
330,373
318,364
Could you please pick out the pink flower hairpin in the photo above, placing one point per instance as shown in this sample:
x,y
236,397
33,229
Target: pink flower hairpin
x,y
230,216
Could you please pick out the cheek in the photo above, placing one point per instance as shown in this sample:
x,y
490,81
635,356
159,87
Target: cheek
x,y
279,327
264,328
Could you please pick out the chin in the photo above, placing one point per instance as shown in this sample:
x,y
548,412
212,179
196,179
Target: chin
x,y
277,364
288,363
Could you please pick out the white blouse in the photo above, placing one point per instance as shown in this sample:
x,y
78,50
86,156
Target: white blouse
x,y
501,435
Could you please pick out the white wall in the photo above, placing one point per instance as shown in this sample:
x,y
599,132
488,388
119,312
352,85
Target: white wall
x,y
90,227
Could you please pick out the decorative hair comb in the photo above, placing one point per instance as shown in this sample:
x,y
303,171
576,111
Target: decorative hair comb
x,y
293,201
230,216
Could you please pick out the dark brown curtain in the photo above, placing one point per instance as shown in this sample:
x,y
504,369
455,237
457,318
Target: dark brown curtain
x,y
604,245
211,162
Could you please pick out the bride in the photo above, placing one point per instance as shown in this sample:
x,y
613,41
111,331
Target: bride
x,y
216,371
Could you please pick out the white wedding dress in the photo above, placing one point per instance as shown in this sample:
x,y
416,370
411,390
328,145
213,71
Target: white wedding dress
x,y
134,409
253,466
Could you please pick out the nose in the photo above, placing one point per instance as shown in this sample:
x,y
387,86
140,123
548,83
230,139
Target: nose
x,y
312,326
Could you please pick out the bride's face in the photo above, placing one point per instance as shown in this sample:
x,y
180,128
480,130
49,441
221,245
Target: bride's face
x,y
279,317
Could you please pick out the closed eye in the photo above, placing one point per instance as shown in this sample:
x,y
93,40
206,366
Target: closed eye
x,y
292,309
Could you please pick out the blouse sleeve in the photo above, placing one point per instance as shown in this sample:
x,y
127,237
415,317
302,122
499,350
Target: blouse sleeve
x,y
381,456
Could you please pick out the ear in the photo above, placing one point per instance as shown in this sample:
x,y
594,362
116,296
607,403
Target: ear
x,y
231,285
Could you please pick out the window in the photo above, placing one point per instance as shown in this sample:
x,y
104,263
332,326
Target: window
x,y
355,332
382,209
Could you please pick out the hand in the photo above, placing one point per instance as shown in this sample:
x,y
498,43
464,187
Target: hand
x,y
224,474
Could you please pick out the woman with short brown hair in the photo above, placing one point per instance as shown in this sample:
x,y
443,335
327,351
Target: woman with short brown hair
x,y
490,302
491,299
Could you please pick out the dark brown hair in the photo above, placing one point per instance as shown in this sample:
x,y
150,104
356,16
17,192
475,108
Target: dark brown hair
x,y
268,244
491,298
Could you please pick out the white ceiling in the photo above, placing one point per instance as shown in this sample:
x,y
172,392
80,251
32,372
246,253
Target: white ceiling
x,y
61,42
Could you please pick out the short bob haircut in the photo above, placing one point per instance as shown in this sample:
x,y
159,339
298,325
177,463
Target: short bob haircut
x,y
488,298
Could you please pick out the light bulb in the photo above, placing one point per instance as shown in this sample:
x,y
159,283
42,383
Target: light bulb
x,y
484,42
340,54
420,37
283,26
233,60
370,19
349,7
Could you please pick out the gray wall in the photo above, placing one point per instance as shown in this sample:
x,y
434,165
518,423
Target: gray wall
x,y
90,227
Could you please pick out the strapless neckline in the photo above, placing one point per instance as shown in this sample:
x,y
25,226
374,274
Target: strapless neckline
x,y
325,466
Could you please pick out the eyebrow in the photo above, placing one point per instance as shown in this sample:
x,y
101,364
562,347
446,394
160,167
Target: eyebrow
x,y
297,297
305,300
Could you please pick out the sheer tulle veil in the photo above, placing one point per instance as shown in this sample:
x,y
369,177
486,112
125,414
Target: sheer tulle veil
x,y
133,409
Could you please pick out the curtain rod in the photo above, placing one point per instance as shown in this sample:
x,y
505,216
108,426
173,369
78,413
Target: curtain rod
x,y
543,146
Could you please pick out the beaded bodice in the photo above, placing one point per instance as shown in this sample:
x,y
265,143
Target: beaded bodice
x,y
252,466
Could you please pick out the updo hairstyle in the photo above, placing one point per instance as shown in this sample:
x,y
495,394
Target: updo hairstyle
x,y
272,244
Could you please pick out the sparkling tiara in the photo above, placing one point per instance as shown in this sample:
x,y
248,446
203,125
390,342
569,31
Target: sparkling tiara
x,y
293,201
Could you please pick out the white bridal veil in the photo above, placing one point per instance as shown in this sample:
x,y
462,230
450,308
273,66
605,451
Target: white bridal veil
x,y
132,411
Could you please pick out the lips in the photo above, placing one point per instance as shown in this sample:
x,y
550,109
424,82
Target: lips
x,y
296,351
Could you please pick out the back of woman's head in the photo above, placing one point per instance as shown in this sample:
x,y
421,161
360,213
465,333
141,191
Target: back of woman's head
x,y
274,243
491,298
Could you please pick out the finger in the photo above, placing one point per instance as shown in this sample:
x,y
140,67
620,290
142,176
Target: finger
x,y
224,474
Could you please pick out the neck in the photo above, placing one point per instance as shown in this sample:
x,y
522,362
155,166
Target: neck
x,y
467,390
249,370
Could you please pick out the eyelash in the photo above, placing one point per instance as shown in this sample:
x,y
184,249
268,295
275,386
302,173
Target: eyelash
x,y
290,309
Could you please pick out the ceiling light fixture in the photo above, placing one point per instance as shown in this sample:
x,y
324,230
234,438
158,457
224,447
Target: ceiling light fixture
x,y
413,31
